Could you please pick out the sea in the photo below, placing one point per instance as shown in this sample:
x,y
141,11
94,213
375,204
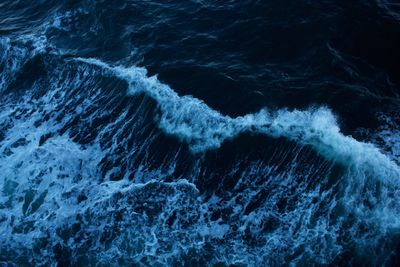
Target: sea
x,y
199,133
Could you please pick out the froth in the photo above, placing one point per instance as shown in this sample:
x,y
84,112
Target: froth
x,y
203,128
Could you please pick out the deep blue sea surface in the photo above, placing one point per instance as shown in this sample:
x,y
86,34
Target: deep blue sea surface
x,y
199,133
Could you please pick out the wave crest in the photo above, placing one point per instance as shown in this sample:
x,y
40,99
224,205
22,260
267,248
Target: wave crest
x,y
203,128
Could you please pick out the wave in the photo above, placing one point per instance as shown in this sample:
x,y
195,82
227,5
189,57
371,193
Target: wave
x,y
203,128
57,185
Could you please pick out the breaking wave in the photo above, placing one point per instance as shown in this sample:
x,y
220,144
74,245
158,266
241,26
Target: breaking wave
x,y
91,176
203,128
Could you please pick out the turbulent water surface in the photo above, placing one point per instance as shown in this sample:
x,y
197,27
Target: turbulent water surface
x,y
199,133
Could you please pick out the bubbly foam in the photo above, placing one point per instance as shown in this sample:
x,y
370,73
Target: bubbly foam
x,y
203,128
50,187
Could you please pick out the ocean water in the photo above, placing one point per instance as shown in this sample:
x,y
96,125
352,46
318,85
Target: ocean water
x,y
199,133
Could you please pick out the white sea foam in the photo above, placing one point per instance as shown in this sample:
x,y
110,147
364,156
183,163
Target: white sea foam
x,y
41,184
203,128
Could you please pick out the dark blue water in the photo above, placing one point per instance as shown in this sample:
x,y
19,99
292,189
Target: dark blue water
x,y
199,133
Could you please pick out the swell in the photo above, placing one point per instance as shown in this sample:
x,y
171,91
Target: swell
x,y
275,214
203,128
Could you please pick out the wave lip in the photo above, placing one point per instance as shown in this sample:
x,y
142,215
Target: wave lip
x,y
203,128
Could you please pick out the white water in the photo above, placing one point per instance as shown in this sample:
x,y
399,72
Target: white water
x,y
57,172
203,128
